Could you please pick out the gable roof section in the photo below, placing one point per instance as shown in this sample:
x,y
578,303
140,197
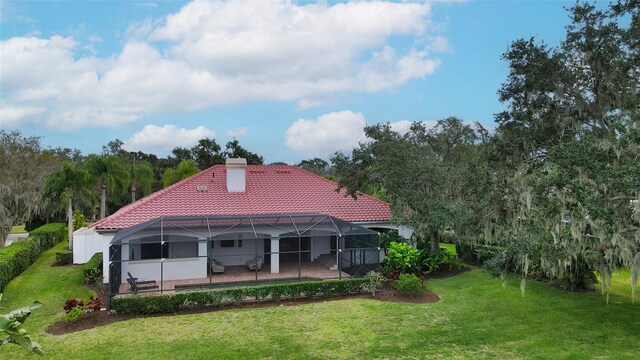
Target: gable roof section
x,y
270,189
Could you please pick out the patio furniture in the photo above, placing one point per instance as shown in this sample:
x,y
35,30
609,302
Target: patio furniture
x,y
216,267
255,263
136,285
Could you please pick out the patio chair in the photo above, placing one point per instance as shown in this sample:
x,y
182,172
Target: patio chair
x,y
216,267
136,285
255,263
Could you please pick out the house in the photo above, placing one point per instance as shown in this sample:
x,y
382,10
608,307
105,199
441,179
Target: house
x,y
234,223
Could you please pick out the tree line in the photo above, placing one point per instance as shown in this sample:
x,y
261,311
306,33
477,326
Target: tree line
x,y
40,184
555,188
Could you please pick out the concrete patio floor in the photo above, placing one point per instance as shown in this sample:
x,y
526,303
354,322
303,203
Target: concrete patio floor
x,y
240,274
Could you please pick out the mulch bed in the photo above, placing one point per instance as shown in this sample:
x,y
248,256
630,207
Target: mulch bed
x,y
388,293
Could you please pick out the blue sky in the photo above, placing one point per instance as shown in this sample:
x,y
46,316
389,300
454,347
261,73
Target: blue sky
x,y
289,80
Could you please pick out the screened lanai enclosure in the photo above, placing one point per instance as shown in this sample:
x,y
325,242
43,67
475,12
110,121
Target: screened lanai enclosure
x,y
183,253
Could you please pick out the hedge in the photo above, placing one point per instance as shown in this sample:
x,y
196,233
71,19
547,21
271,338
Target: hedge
x,y
92,270
16,258
64,257
274,292
47,236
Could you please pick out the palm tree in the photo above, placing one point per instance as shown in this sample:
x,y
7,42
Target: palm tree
x,y
140,175
185,169
110,174
69,184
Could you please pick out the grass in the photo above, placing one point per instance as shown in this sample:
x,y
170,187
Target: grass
x,y
451,248
18,229
476,318
621,285
49,285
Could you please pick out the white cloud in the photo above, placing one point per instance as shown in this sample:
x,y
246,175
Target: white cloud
x,y
147,4
215,53
403,126
439,43
237,132
11,116
161,140
327,134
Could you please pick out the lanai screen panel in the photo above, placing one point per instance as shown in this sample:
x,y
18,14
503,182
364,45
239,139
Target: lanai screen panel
x,y
212,227
163,249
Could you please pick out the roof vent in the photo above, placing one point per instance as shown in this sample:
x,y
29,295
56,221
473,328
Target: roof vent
x,y
202,188
236,174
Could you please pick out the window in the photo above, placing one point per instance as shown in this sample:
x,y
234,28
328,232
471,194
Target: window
x,y
183,249
227,243
240,243
150,251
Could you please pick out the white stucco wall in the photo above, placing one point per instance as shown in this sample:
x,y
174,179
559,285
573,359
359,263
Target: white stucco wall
x,y
320,245
173,269
231,256
86,243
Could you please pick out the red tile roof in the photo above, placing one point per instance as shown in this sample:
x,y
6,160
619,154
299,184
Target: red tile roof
x,y
270,189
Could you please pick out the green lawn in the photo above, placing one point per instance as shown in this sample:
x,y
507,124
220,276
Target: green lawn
x,y
451,248
18,229
476,318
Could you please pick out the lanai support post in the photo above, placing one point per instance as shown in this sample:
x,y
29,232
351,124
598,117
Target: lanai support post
x,y
275,255
339,255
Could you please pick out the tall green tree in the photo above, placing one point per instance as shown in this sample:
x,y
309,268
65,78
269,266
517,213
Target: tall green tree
x,y
182,171
24,166
70,184
235,150
315,165
180,154
207,153
421,171
567,178
140,179
110,175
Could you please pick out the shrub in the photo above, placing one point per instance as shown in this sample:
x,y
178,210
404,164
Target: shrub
x,y
408,285
16,258
64,257
236,296
73,303
94,304
78,220
402,257
47,236
476,254
74,315
93,269
374,281
391,236
203,298
432,261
